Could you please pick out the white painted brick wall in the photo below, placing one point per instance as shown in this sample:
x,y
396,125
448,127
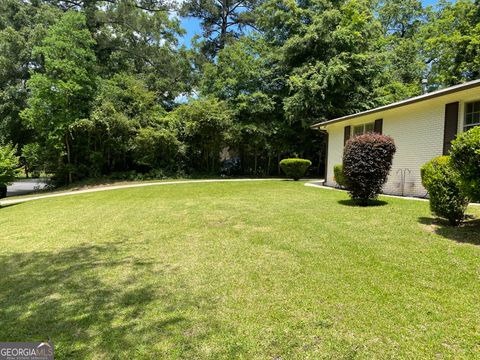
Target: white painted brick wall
x,y
417,130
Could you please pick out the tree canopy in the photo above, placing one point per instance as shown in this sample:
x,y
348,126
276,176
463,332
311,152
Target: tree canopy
x,y
94,88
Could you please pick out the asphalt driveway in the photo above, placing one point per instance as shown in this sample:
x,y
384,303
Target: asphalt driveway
x,y
25,186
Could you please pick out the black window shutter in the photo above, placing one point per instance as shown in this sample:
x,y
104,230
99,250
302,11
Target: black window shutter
x,y
451,126
346,134
378,127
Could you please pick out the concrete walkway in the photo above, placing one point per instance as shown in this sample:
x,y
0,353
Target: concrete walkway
x,y
124,186
319,184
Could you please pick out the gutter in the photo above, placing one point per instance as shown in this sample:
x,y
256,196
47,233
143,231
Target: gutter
x,y
429,96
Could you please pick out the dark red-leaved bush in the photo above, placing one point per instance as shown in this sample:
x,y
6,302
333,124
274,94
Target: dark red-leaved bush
x,y
367,160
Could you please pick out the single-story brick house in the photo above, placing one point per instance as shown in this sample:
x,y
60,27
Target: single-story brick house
x,y
422,127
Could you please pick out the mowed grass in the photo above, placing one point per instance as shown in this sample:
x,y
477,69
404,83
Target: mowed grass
x,y
263,270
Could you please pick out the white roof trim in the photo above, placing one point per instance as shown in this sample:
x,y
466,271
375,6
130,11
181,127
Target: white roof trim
x,y
433,94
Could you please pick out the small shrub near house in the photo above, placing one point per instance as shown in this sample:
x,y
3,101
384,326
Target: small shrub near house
x,y
367,160
442,183
295,168
338,175
465,154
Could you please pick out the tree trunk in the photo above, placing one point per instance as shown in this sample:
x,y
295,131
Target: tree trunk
x,y
207,155
320,155
278,165
269,163
242,159
69,161
224,25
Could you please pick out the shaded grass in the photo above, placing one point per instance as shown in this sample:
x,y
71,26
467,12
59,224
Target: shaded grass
x,y
350,202
467,232
263,270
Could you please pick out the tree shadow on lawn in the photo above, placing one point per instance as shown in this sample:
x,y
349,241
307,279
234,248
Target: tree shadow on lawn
x,y
355,203
94,301
467,232
8,205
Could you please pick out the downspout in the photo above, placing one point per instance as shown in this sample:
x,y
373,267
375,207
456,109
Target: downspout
x,y
326,151
326,155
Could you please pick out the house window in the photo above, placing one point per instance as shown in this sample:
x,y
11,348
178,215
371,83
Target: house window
x,y
472,115
363,129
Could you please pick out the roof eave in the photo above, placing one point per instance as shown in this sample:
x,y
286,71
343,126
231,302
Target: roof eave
x,y
424,97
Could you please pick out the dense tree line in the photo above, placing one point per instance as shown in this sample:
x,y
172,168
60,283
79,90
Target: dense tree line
x,y
89,88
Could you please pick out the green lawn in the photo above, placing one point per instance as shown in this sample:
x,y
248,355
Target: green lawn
x,y
264,270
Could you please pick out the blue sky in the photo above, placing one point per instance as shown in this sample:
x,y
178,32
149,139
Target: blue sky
x,y
192,25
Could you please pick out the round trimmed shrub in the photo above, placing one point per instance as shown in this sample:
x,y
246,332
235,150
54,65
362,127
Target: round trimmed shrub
x,y
295,168
447,200
338,175
367,160
465,156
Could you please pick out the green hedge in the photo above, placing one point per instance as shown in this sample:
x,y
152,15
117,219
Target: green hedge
x,y
465,154
295,168
338,175
442,183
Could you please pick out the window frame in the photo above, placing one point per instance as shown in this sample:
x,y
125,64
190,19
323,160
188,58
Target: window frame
x,y
466,126
364,128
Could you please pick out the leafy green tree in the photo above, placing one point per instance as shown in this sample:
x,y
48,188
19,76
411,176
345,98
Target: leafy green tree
x,y
22,26
400,48
158,148
328,55
61,93
9,163
401,18
123,107
248,76
242,76
222,21
33,159
208,128
95,84
450,42
139,37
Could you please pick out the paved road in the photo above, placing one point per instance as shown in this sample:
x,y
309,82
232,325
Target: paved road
x,y
26,186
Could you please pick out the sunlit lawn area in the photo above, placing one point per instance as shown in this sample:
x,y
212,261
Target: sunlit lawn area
x,y
263,270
